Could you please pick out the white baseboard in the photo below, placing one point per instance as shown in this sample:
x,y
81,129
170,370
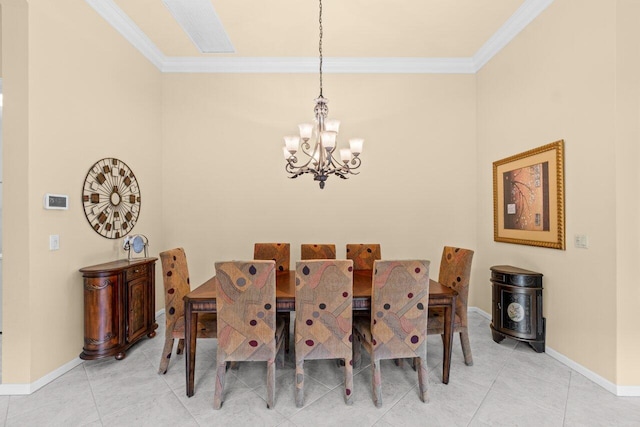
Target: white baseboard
x,y
480,312
22,389
18,389
602,382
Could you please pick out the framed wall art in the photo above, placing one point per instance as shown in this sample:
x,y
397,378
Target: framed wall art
x,y
528,197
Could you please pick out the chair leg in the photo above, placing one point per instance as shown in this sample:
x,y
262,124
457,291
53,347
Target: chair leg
x,y
466,348
280,355
287,327
357,351
219,388
180,346
376,382
166,355
271,382
300,383
348,381
423,378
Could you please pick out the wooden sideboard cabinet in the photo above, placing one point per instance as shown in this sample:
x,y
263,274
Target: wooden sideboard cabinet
x,y
119,302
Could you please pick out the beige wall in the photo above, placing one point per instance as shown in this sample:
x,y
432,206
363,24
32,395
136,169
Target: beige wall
x,y
225,186
16,305
627,184
82,94
0,41
560,79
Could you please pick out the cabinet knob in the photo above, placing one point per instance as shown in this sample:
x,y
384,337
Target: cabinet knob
x,y
499,306
136,271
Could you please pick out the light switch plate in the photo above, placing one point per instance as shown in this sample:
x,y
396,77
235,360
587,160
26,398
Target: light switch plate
x,y
54,242
581,241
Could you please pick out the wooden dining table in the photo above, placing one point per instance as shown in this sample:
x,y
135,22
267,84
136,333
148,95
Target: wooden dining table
x,y
203,300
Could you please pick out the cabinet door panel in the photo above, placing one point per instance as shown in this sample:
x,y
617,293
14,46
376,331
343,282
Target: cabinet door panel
x,y
138,301
101,322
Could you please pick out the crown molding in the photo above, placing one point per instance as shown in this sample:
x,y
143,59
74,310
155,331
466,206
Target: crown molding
x,y
517,22
121,22
310,65
526,13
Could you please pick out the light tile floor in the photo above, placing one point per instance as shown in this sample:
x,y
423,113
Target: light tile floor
x,y
508,385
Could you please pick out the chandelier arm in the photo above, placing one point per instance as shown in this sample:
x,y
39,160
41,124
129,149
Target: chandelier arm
x,y
305,146
293,168
356,162
340,165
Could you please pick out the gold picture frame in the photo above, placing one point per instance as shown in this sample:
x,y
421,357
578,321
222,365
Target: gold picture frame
x,y
528,197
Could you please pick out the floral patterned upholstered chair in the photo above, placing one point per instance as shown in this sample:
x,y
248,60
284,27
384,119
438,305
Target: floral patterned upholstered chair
x,y
363,255
248,329
175,276
279,252
324,294
398,324
455,269
308,251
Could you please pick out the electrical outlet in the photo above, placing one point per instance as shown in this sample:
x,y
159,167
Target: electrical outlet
x,y
581,241
54,242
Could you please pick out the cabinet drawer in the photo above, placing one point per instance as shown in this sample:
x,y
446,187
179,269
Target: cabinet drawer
x,y
135,272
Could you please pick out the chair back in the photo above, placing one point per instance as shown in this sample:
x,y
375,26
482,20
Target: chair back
x,y
455,270
324,295
309,251
363,255
400,301
246,307
279,252
175,277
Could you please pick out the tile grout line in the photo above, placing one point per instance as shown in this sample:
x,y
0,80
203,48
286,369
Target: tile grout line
x,y
93,395
163,376
491,386
566,400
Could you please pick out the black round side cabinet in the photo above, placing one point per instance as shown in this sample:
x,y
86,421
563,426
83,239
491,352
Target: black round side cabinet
x,y
517,306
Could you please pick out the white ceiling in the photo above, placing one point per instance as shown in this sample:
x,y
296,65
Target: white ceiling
x,y
360,36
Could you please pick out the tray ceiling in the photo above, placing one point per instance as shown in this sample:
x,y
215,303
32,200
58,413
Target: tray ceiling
x,y
444,32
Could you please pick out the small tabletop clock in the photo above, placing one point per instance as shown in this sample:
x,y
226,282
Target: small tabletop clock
x,y
111,198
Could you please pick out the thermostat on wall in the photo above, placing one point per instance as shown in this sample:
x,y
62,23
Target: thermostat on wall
x,y
56,201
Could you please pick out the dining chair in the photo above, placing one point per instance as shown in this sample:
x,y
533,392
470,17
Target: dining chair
x,y
455,269
323,325
363,255
280,253
398,324
248,329
175,277
310,251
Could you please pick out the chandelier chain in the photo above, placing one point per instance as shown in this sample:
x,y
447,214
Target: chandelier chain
x,y
320,45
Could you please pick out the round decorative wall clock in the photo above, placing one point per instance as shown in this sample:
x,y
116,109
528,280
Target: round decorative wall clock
x,y
111,198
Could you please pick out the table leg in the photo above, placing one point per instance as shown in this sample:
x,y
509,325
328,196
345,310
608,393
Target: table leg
x,y
190,334
450,315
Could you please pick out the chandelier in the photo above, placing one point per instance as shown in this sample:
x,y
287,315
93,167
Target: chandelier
x,y
319,159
